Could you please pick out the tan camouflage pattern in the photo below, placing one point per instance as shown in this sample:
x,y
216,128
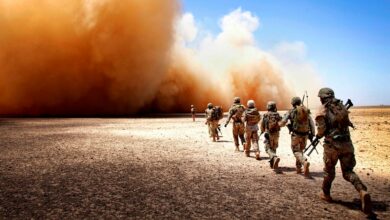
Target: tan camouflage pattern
x,y
298,144
343,151
251,138
336,150
238,132
238,127
251,117
212,124
272,144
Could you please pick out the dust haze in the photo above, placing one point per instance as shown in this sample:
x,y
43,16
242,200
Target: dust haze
x,y
116,57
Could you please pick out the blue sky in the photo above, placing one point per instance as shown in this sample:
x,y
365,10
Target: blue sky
x,y
348,42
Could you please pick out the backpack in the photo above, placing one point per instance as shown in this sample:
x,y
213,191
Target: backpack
x,y
252,116
338,116
239,111
301,120
272,120
217,113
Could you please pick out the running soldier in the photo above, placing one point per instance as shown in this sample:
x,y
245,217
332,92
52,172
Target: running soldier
x,y
270,127
301,127
212,122
235,112
333,123
251,117
193,112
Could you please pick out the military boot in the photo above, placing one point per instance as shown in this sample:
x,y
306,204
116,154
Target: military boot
x,y
246,150
326,197
366,202
276,163
257,155
306,168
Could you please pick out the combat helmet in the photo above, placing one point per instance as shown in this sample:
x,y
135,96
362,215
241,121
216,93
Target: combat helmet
x,y
250,104
236,100
326,93
271,106
210,105
296,101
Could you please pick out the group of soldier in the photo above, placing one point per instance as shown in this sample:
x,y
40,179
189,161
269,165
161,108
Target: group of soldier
x,y
332,122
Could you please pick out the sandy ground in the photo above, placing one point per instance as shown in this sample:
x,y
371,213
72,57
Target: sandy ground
x,y
167,168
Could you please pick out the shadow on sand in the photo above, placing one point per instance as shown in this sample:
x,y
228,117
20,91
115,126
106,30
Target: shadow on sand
x,y
377,206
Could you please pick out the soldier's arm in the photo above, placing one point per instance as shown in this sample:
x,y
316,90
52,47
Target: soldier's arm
x,y
262,125
243,117
284,120
321,122
311,125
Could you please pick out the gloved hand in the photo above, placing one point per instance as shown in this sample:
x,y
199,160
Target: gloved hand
x,y
311,136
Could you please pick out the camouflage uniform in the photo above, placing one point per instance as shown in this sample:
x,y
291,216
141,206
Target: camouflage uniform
x,y
251,117
298,139
235,113
193,112
212,124
333,123
272,135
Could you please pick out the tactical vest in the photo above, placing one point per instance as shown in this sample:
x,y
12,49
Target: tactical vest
x,y
300,120
337,120
237,112
272,121
252,116
217,113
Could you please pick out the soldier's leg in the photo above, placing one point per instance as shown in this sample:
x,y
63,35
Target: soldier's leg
x,y
348,162
330,160
255,141
213,131
306,163
210,127
274,143
235,135
248,136
241,132
296,148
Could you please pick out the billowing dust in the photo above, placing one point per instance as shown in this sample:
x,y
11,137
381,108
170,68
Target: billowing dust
x,y
83,57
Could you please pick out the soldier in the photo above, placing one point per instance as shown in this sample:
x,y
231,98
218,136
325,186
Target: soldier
x,y
193,112
251,117
333,123
270,126
235,113
301,127
212,122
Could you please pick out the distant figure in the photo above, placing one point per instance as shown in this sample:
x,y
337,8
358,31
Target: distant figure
x,y
301,126
251,118
270,127
333,123
235,112
193,112
212,122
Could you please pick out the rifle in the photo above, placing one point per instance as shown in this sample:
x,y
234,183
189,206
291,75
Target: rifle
x,y
316,140
314,143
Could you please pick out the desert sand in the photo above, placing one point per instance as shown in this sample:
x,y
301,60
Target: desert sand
x,y
168,168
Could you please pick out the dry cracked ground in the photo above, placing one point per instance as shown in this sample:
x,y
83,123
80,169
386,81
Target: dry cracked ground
x,y
167,168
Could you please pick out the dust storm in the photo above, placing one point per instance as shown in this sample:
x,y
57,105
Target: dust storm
x,y
119,57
